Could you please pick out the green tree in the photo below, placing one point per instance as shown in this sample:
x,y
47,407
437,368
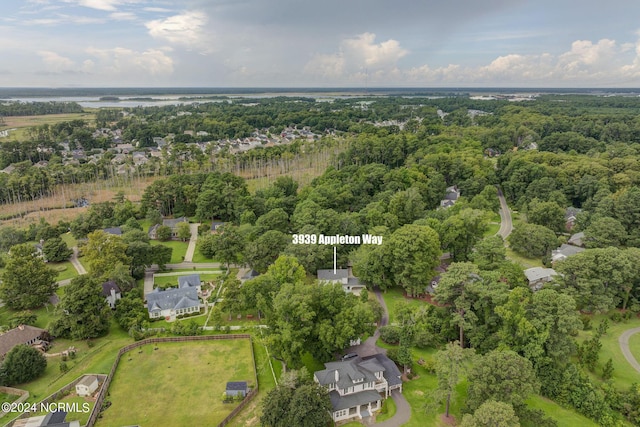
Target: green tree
x,y
414,251
103,251
275,407
25,317
310,406
228,246
533,240
22,363
265,249
492,414
489,253
449,364
56,250
607,370
154,216
503,376
461,232
27,282
163,233
83,310
548,214
604,232
183,231
130,312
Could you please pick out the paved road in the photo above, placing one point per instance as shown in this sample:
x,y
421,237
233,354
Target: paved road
x,y
506,226
403,412
624,346
188,257
76,263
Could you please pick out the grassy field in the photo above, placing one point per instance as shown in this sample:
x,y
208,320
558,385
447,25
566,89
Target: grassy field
x,y
564,417
522,260
179,249
21,123
180,384
623,375
394,296
387,411
65,270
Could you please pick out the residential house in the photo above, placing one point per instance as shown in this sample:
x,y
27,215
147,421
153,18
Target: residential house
x,y
357,386
538,276
116,231
190,281
451,197
577,239
171,223
111,292
237,388
23,334
52,419
345,277
139,158
124,148
172,302
570,216
87,385
215,226
250,275
564,252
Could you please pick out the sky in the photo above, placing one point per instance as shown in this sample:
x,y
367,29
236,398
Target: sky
x,y
320,43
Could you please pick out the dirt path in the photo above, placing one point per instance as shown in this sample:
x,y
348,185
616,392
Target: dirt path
x,y
624,346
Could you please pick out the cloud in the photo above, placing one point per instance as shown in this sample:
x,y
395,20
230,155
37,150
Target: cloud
x,y
123,16
186,29
106,5
55,62
157,9
356,55
123,61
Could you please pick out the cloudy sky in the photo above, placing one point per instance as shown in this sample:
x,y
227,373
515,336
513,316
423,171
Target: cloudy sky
x,y
320,43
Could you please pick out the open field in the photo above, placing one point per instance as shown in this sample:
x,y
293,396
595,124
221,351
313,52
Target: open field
x,y
21,123
180,384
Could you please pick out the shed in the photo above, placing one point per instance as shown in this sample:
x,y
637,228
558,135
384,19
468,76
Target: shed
x,y
237,388
87,385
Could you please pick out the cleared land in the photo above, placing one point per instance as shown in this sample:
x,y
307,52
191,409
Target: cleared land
x,y
21,123
180,384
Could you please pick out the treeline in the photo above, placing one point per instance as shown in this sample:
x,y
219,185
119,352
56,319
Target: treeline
x,y
20,108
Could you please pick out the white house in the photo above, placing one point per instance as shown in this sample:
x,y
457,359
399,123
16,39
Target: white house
x,y
349,282
111,293
357,386
172,302
87,385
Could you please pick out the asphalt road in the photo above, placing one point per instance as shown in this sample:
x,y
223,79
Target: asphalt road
x,y
624,346
506,225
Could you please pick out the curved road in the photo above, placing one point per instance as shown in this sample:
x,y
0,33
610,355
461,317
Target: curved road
x,y
624,346
506,225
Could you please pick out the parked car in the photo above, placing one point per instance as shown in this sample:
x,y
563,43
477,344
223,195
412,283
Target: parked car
x,y
349,356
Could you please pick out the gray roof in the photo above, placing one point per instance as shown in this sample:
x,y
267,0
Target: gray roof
x,y
567,250
577,239
571,212
216,224
360,369
188,281
16,336
537,273
116,231
351,400
108,286
174,222
172,298
391,372
354,281
237,385
327,274
87,380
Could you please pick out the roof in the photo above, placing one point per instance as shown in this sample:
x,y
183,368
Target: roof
x,y
354,281
576,239
566,251
87,380
174,222
237,385
452,193
537,273
351,400
172,298
391,372
328,274
571,213
190,280
117,231
216,224
20,335
108,286
359,368
250,274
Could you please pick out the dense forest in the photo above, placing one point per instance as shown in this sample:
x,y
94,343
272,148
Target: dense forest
x,y
392,160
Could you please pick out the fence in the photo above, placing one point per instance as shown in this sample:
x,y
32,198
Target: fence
x,y
105,387
24,395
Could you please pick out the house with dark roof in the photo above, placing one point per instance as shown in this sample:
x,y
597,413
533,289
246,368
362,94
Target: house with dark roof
x,y
172,302
564,252
216,226
237,388
358,386
190,281
52,419
451,197
171,223
23,334
111,292
116,231
345,277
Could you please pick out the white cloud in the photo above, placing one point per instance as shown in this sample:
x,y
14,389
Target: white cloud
x,y
123,16
55,62
325,65
365,51
157,9
107,5
124,61
186,29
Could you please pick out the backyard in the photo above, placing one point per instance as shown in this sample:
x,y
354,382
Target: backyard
x,y
179,384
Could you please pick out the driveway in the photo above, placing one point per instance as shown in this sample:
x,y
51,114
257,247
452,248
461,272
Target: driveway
x,y
188,257
624,346
369,347
76,263
506,225
403,412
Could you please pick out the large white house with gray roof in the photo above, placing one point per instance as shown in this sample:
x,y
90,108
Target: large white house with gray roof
x,y
349,282
172,302
357,386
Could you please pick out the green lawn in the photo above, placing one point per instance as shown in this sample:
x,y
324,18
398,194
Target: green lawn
x,y
564,417
623,375
180,384
392,297
69,239
5,397
199,258
65,270
522,260
173,280
45,315
179,249
492,229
